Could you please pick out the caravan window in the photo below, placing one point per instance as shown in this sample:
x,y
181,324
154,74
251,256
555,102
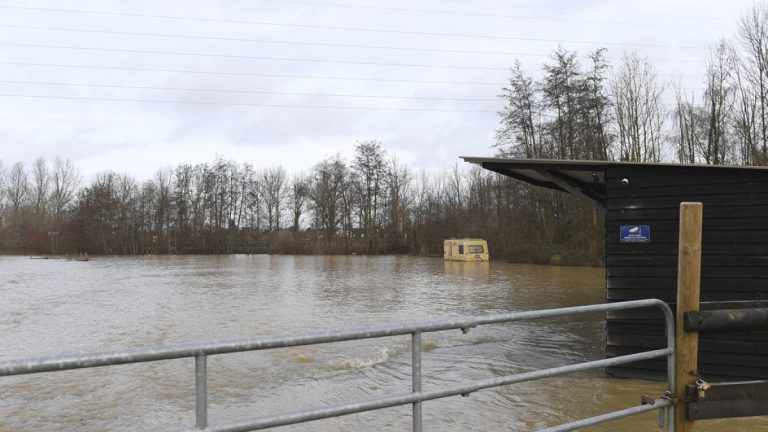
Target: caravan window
x,y
461,249
475,249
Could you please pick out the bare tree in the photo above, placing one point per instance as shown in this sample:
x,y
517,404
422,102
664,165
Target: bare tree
x,y
637,100
299,193
753,32
325,192
690,121
745,117
126,233
719,94
3,180
274,189
40,190
163,205
65,179
370,170
399,189
17,190
595,107
254,202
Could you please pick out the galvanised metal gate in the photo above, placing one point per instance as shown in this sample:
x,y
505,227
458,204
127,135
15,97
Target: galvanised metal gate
x,y
200,352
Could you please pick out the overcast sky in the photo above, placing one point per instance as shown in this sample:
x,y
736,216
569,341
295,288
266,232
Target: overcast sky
x,y
101,82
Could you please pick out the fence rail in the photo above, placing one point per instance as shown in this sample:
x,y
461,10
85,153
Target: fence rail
x,y
200,351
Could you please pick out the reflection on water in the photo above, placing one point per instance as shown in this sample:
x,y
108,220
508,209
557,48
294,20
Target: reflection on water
x,y
55,306
470,271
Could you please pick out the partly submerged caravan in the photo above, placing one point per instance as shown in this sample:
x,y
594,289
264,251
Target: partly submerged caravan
x,y
473,250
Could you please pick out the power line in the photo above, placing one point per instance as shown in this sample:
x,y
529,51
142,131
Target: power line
x,y
185,36
605,11
291,59
243,104
486,15
344,28
346,95
287,59
255,74
165,101
249,74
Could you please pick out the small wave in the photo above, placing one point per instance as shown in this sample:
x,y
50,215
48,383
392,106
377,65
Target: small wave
x,y
383,355
481,340
429,345
362,362
302,358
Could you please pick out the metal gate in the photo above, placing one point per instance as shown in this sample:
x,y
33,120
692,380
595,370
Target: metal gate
x,y
200,351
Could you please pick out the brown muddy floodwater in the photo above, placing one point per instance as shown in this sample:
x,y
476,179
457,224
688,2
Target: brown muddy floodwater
x,y
57,306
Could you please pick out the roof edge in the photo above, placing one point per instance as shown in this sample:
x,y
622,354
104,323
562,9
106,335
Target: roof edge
x,y
593,164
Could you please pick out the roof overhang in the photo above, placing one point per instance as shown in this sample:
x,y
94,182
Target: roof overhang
x,y
583,179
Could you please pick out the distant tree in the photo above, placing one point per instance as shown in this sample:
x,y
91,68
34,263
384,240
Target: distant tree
x,y
326,183
39,191
299,193
246,178
691,122
182,196
274,187
97,214
400,200
65,179
595,109
519,134
639,110
753,32
127,234
254,201
561,89
3,180
704,130
370,168
720,94
163,204
17,190
566,115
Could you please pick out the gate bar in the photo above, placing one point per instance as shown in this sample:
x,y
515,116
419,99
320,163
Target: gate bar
x,y
657,404
410,398
201,392
29,365
416,378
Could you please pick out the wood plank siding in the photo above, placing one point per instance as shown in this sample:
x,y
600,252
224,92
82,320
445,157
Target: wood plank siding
x,y
734,260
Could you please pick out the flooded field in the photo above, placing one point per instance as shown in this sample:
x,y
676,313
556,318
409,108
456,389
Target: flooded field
x,y
57,306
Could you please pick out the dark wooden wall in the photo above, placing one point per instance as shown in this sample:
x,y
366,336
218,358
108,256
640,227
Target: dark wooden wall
x,y
734,260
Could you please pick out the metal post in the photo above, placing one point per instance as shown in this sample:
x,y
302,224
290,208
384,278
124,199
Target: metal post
x,y
416,377
688,292
201,392
669,330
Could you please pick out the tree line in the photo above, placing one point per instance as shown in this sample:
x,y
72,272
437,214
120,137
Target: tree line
x,y
629,113
580,108
371,204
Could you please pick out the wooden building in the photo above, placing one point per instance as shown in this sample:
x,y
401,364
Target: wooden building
x,y
641,205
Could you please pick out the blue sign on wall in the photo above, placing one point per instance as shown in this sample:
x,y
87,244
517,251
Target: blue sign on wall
x,y
635,234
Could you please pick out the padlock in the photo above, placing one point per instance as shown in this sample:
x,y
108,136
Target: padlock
x,y
701,388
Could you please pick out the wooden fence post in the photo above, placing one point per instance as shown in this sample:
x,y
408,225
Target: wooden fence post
x,y
688,289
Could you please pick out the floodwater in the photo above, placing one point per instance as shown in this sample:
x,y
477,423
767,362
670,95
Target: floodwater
x,y
57,306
